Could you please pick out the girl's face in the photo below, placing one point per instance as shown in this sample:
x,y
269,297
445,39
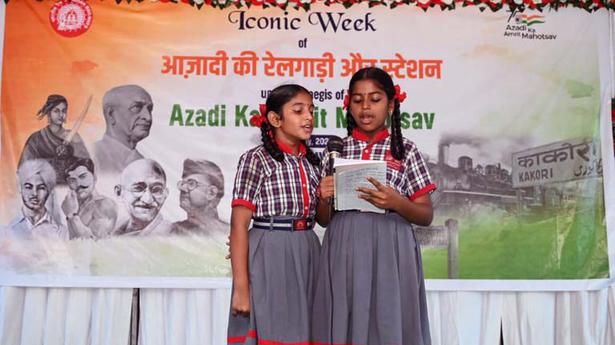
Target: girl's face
x,y
57,115
369,106
297,123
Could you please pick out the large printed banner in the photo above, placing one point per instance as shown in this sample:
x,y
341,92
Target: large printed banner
x,y
122,126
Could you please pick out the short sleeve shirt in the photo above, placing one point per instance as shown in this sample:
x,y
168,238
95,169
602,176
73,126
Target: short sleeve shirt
x,y
409,176
271,188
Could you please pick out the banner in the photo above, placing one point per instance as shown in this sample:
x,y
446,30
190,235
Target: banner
x,y
122,126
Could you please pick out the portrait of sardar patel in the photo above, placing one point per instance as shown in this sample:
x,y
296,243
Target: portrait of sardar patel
x,y
127,111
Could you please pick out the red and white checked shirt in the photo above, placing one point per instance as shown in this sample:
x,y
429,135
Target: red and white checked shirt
x,y
271,188
409,177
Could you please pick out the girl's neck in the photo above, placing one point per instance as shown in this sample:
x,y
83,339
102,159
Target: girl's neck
x,y
291,146
371,135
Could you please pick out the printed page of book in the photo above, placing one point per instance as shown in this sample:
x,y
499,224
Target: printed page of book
x,y
351,174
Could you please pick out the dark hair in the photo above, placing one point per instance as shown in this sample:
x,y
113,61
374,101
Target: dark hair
x,y
52,102
383,80
275,101
85,162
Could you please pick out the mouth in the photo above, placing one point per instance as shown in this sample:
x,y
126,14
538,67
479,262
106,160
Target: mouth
x,y
365,119
34,201
143,126
145,207
308,127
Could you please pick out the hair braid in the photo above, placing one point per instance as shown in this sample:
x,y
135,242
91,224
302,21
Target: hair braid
x,y
350,122
397,139
270,145
311,156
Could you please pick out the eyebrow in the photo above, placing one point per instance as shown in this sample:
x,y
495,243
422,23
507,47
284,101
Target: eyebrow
x,y
301,103
368,93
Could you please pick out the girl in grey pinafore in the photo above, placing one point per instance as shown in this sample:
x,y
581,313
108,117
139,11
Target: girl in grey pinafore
x,y
278,185
370,287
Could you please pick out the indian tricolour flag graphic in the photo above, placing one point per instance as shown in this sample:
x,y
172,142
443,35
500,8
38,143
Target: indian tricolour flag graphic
x,y
529,20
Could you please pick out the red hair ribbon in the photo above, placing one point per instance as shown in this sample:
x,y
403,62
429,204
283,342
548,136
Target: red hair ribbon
x,y
399,96
346,101
258,119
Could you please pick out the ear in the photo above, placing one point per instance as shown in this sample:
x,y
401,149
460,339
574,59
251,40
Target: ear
x,y
118,190
274,119
109,114
391,107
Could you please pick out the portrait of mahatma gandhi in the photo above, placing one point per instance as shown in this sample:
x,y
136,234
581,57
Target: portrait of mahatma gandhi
x,y
201,188
88,214
143,191
37,180
127,111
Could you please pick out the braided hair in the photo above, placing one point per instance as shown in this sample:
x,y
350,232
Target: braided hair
x,y
384,81
275,102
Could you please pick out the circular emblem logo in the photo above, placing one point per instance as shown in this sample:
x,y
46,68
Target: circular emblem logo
x,y
71,18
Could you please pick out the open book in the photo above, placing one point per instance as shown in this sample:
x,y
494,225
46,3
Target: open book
x,y
351,174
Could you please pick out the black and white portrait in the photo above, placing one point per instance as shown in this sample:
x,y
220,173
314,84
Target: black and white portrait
x,y
127,111
143,191
201,188
37,217
88,214
54,143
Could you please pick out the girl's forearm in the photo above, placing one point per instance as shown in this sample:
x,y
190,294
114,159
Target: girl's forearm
x,y
418,212
240,221
323,212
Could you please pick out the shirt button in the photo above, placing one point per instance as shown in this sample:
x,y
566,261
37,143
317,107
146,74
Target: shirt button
x,y
304,185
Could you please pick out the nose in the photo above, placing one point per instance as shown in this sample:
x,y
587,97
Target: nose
x,y
146,114
147,196
365,104
182,187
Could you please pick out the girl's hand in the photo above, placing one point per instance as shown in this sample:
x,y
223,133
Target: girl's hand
x,y
383,197
241,301
325,189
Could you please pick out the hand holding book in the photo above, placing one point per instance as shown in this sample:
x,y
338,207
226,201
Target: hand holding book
x,y
351,175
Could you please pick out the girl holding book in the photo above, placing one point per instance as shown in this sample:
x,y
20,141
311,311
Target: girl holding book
x,y
370,287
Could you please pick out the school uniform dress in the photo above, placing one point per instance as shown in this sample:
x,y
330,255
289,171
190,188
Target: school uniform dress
x,y
283,248
370,287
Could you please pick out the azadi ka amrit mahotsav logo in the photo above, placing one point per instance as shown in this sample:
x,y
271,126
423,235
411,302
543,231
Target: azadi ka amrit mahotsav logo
x,y
529,20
